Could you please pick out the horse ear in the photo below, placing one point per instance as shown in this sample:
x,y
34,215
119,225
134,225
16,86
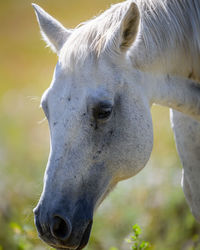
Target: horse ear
x,y
129,27
53,32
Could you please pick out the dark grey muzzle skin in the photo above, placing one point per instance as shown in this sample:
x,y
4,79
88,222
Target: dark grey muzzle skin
x,y
62,229
64,217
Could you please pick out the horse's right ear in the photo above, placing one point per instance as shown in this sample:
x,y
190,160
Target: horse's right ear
x,y
53,32
129,27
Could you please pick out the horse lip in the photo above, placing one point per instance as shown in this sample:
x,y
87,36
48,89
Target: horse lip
x,y
86,236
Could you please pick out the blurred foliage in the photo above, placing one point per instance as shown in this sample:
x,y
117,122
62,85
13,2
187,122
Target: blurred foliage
x,y
135,240
153,198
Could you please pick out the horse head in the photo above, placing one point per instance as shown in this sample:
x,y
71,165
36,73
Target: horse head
x,y
99,119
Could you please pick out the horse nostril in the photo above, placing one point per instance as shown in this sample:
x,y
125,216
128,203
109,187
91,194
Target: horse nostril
x,y
60,228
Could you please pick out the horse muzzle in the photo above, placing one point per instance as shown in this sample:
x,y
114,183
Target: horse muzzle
x,y
61,231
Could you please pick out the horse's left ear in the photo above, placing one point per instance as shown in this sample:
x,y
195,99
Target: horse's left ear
x,y
129,27
53,32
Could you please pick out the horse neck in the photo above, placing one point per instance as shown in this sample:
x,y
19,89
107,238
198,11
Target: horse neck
x,y
167,42
170,61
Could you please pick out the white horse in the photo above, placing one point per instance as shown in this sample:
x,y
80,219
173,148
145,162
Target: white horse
x,y
110,71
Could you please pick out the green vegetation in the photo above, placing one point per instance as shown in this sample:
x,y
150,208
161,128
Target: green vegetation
x,y
153,199
135,240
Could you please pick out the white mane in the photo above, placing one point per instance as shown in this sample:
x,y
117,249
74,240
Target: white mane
x,y
164,24
93,35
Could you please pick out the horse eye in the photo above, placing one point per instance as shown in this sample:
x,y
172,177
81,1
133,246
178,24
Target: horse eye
x,y
102,111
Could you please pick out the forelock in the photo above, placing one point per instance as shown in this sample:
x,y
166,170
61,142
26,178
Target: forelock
x,y
93,37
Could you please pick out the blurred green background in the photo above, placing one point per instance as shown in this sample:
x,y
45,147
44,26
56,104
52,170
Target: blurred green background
x,y
153,199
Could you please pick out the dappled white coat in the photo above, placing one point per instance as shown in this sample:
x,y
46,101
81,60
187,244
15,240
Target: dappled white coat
x,y
133,55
